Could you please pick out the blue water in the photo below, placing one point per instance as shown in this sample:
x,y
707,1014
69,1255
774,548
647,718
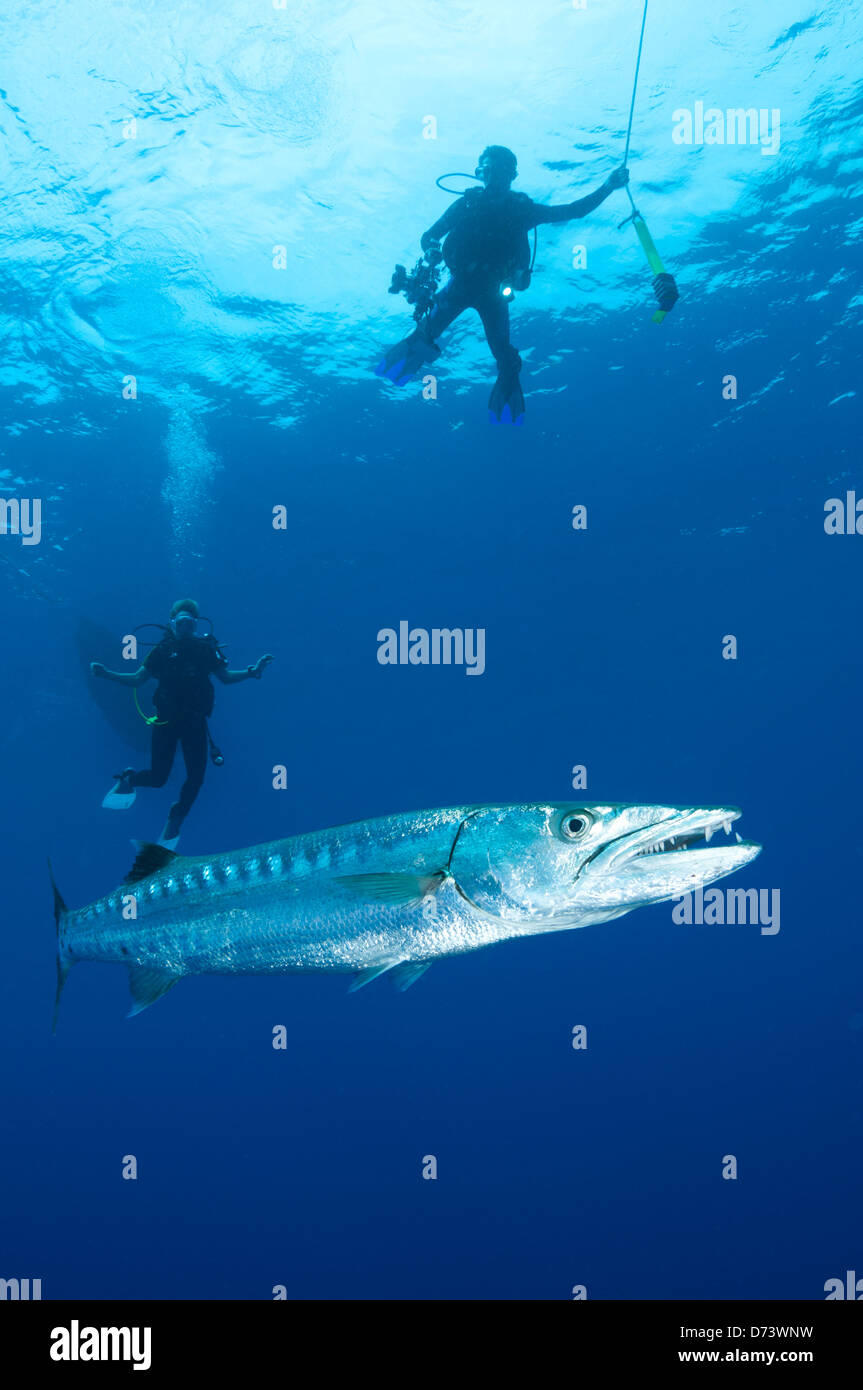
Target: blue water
x,y
152,256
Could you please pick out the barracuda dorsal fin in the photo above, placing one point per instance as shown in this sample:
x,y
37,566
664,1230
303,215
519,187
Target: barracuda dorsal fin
x,y
147,986
394,889
148,859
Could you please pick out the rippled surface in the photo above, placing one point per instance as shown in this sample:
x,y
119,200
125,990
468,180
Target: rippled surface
x,y
149,251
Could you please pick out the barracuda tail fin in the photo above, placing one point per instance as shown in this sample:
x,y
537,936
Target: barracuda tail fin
x,y
63,964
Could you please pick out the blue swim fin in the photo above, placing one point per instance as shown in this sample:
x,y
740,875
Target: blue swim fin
x,y
506,402
403,361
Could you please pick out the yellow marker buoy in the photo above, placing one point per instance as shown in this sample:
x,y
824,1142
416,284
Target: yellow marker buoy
x,y
654,260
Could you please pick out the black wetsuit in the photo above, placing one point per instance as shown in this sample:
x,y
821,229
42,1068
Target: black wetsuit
x,y
486,244
184,700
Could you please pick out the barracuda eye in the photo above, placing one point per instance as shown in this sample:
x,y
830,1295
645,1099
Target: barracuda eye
x,y
575,825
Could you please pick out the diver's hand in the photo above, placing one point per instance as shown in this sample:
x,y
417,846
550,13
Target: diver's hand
x,y
258,669
97,669
665,289
619,178
434,254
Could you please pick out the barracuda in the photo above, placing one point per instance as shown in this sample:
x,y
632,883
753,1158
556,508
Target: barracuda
x,y
395,894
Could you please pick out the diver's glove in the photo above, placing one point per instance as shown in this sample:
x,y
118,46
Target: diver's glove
x,y
258,669
97,669
434,254
665,289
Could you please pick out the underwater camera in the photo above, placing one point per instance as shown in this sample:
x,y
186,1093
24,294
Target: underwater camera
x,y
419,287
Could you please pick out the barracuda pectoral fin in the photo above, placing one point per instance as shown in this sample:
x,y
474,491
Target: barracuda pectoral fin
x,y
393,889
403,976
371,972
403,973
147,986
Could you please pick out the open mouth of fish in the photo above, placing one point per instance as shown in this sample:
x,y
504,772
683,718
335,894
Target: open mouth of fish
x,y
690,833
693,838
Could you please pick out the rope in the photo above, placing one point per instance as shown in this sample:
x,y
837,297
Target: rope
x,y
632,105
635,83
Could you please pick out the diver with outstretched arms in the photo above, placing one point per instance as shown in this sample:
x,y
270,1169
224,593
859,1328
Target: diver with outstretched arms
x,y
182,664
483,239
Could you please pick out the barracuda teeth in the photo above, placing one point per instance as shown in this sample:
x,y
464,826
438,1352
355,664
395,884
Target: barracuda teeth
x,y
737,837
708,834
726,826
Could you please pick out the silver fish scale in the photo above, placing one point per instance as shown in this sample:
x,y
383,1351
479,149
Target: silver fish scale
x,y
402,890
278,907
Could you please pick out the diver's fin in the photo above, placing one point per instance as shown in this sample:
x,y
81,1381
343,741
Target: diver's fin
x,y
403,361
148,859
371,972
170,836
147,986
403,976
506,402
121,795
393,889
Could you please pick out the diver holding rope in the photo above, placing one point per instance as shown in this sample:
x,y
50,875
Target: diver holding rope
x,y
182,663
483,239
